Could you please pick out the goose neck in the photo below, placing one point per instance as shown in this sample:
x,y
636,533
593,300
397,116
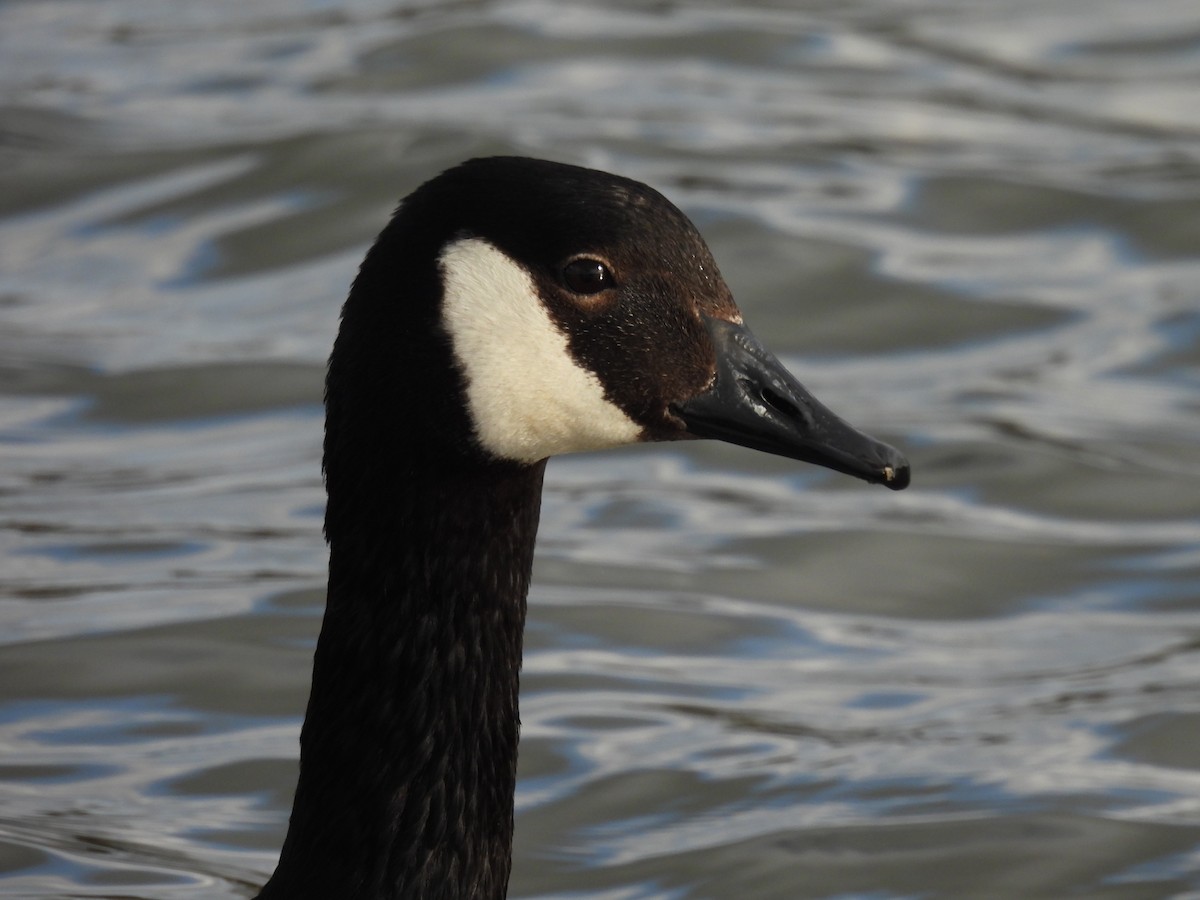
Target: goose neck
x,y
409,746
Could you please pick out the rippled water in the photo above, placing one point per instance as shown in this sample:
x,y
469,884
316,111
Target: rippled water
x,y
972,228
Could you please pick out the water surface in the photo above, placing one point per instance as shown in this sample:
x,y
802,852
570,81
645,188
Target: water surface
x,y
974,229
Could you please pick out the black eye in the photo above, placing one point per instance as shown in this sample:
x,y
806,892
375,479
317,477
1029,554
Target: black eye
x,y
586,276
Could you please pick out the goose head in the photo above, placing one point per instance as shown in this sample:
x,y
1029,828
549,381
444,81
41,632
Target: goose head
x,y
516,309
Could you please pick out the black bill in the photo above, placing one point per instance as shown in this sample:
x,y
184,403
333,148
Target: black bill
x,y
757,403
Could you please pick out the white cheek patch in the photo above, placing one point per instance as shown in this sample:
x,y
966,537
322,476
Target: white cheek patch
x,y
528,397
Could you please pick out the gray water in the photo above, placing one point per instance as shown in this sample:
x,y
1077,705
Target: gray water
x,y
972,228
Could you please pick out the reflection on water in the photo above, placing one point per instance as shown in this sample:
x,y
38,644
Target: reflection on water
x,y
973,228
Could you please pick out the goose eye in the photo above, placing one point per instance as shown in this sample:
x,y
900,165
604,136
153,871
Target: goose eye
x,y
587,276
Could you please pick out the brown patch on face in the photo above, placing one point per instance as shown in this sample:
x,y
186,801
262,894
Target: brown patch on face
x,y
644,337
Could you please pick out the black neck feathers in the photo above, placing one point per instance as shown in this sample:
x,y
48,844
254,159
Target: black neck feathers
x,y
409,747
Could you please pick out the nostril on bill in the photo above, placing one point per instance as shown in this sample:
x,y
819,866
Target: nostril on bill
x,y
779,403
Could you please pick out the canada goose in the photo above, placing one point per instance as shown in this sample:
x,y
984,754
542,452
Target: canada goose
x,y
511,309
